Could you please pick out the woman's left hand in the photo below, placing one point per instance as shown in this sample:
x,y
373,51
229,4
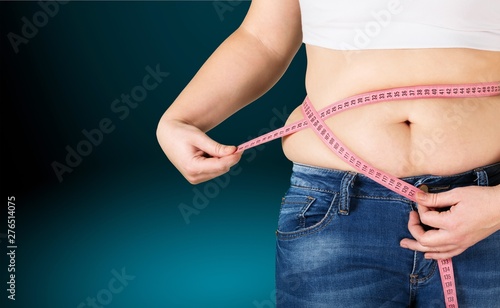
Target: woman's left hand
x,y
474,214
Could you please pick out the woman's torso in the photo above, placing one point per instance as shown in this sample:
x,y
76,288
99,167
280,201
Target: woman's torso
x,y
404,138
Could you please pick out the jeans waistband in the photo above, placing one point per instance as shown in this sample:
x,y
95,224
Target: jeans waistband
x,y
332,180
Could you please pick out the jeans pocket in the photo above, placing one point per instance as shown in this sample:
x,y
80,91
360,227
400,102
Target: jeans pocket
x,y
304,211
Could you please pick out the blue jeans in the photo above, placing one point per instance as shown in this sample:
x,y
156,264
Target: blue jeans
x,y
338,245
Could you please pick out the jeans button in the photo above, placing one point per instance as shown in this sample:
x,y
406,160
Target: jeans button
x,y
424,188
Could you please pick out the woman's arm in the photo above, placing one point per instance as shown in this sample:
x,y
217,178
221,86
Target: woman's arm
x,y
244,66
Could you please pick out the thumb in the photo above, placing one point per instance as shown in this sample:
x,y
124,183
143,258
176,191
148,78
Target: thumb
x,y
443,199
212,147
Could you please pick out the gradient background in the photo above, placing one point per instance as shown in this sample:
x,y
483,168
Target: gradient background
x,y
119,207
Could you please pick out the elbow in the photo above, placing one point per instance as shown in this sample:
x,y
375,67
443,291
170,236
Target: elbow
x,y
161,129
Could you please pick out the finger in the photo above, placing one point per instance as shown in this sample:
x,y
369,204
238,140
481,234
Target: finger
x,y
416,245
434,219
443,255
422,209
447,198
432,240
428,238
212,147
414,226
202,169
217,165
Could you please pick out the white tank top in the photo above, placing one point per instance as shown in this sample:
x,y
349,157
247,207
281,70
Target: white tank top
x,y
398,24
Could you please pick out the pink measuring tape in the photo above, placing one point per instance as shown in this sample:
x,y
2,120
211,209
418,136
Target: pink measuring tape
x,y
315,120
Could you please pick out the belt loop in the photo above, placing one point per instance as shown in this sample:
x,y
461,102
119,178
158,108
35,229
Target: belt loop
x,y
346,184
481,177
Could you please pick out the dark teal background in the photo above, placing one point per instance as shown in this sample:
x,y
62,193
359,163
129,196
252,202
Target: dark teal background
x,y
119,207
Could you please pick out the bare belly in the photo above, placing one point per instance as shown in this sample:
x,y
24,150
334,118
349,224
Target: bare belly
x,y
404,138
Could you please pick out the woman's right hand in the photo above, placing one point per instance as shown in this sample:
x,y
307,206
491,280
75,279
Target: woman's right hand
x,y
198,157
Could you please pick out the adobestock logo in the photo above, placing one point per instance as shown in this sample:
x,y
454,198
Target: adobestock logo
x,y
221,7
120,108
363,36
30,28
115,286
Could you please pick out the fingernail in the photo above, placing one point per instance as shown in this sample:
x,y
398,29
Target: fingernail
x,y
228,149
422,196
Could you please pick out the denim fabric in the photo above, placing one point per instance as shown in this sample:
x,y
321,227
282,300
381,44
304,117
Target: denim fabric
x,y
338,245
